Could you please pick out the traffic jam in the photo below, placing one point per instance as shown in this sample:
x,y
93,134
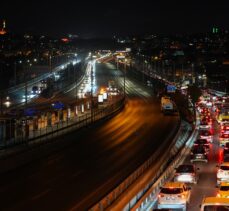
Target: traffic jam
x,y
201,182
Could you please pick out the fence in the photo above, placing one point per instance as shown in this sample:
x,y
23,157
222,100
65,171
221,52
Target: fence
x,y
71,124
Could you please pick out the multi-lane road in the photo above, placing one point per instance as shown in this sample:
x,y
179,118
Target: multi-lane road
x,y
207,183
207,174
81,167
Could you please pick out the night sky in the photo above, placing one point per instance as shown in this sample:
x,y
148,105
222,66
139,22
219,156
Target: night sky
x,y
107,18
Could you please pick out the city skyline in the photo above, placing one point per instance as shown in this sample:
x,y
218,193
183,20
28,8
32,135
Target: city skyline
x,y
100,19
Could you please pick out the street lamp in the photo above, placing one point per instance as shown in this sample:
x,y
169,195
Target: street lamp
x,y
125,78
91,91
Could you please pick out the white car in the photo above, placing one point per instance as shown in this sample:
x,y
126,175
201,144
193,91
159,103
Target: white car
x,y
174,195
223,173
186,173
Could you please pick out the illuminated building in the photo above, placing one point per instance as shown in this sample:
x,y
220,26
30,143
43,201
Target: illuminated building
x,y
3,29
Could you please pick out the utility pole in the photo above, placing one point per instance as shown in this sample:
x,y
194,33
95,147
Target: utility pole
x,y
26,101
76,90
91,91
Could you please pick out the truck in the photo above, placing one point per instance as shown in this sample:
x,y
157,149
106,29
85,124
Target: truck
x,y
167,105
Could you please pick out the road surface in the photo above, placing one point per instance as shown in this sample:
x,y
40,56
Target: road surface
x,y
77,171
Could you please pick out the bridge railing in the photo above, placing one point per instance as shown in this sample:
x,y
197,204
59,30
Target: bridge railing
x,y
107,202
49,133
148,200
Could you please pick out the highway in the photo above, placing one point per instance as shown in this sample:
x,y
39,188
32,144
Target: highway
x,y
76,171
207,184
17,93
66,91
207,174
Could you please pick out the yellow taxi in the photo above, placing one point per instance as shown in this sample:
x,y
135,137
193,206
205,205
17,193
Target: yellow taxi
x,y
223,117
214,203
223,190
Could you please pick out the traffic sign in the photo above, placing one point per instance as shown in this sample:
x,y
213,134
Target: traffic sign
x,y
171,89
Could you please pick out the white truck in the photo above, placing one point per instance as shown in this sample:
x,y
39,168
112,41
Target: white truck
x,y
167,105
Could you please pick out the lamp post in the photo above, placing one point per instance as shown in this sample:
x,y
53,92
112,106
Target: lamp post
x,y
76,90
91,91
26,100
125,78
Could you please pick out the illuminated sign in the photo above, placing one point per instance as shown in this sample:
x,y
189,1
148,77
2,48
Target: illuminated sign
x,y
105,96
100,98
121,57
171,89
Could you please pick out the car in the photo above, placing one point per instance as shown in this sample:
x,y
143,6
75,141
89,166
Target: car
x,y
217,106
223,190
206,134
186,173
226,152
208,119
223,173
35,90
205,112
214,204
204,124
199,153
202,142
224,138
223,117
174,195
224,127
